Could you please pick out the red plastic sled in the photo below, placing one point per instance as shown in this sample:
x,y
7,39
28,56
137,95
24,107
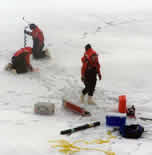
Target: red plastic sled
x,y
72,107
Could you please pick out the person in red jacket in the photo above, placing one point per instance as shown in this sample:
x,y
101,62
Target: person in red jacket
x,y
89,71
38,41
20,61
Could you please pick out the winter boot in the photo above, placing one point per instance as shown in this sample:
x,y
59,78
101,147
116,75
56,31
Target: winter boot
x,y
8,67
90,101
13,71
47,53
82,98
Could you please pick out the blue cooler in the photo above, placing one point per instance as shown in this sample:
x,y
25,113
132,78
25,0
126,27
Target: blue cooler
x,y
116,119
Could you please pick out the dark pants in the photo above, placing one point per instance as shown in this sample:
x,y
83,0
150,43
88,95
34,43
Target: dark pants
x,y
89,87
19,63
37,49
90,82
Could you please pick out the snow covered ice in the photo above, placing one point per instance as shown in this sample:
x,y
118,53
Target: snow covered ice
x,y
123,42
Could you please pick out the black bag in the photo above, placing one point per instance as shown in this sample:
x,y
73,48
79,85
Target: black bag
x,y
132,131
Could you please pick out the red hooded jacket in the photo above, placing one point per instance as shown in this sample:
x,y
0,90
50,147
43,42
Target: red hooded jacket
x,y
37,34
87,61
27,57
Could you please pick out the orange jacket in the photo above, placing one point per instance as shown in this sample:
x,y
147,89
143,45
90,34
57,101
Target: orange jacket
x,y
37,34
87,54
88,62
27,57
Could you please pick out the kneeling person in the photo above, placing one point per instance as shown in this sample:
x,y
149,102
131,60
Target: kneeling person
x,y
38,42
20,62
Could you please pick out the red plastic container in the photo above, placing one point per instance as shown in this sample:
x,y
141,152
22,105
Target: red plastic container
x,y
122,104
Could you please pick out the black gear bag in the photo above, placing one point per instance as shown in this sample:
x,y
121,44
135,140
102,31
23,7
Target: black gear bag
x,y
132,131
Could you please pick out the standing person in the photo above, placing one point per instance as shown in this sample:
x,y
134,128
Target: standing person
x,y
89,71
20,62
38,41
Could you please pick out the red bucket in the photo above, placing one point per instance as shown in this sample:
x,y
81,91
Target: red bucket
x,y
122,104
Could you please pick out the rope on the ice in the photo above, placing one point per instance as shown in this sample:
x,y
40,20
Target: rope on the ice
x,y
70,148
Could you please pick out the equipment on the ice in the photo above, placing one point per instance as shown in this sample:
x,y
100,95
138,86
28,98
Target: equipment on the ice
x,y
25,36
25,28
145,119
122,104
131,111
115,119
79,128
69,148
44,108
72,107
132,131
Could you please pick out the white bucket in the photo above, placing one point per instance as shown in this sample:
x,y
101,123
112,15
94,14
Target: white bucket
x,y
44,108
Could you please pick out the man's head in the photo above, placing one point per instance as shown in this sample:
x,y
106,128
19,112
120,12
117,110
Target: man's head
x,y
88,46
32,26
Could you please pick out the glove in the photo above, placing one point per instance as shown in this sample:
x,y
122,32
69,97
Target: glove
x,y
100,77
26,32
35,70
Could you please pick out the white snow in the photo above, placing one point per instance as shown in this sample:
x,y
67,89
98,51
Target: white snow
x,y
123,42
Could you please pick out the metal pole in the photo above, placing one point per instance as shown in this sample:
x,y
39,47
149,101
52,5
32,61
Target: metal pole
x,y
25,36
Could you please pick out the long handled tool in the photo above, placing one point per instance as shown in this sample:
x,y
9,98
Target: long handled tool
x,y
26,21
82,127
25,36
145,119
75,108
